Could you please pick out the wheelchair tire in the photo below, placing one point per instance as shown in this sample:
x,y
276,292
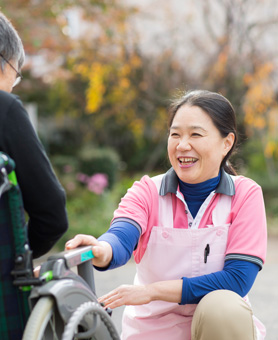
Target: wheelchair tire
x,y
44,322
93,322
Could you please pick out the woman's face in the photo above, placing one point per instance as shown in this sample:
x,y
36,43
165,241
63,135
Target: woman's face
x,y
195,146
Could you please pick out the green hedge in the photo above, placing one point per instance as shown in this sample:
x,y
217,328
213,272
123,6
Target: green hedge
x,y
94,160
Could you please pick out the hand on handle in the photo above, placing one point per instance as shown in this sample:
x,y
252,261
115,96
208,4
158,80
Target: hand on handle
x,y
102,250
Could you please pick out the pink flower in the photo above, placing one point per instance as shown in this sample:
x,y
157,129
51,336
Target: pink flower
x,y
82,178
97,183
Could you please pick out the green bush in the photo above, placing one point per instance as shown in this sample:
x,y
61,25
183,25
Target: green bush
x,y
91,214
88,213
94,160
64,164
253,157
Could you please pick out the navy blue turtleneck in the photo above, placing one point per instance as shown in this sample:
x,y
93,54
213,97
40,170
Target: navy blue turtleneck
x,y
196,194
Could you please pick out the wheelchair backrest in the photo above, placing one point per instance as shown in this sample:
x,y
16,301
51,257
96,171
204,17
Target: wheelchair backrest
x,y
14,309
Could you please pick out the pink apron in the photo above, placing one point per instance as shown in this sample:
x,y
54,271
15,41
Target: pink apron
x,y
171,254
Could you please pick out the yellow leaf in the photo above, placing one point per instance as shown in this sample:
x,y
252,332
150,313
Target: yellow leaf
x,y
270,149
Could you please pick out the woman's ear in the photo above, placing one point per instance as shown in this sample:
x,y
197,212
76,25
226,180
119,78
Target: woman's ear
x,y
228,142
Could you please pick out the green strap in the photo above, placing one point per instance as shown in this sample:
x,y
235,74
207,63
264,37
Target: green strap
x,y
17,219
19,231
12,178
15,203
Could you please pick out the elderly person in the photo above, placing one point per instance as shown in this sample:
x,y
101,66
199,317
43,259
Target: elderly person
x,y
198,234
43,196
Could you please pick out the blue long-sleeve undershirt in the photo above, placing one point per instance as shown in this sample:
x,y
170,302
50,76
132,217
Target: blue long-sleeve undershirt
x,y
236,275
123,238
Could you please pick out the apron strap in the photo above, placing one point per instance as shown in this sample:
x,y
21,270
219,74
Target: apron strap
x,y
222,210
165,212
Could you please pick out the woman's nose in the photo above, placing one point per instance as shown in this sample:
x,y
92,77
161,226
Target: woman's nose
x,y
184,145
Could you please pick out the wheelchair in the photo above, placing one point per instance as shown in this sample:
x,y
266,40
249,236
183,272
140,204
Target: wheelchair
x,y
61,303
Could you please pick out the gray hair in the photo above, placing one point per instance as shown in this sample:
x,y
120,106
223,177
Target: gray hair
x,y
11,46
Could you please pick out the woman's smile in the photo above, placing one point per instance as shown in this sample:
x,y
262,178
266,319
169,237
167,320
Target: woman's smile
x,y
195,146
186,162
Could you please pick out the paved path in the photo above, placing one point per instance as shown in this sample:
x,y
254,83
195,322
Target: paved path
x,y
263,296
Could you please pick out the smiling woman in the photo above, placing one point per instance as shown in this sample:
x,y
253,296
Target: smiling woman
x,y
196,148
197,232
217,110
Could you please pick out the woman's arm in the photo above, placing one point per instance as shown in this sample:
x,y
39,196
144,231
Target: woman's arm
x,y
123,238
237,276
113,248
169,291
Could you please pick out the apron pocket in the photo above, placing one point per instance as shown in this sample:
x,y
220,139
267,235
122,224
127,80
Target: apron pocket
x,y
214,264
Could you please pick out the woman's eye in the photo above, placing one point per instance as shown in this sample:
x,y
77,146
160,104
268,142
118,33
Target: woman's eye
x,y
174,134
195,134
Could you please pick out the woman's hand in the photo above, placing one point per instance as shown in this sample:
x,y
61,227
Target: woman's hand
x,y
125,295
169,291
102,250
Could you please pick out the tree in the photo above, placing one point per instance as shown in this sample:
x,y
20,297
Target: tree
x,y
261,112
244,70
105,89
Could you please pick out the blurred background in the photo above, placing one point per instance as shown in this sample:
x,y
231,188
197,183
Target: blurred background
x,y
99,76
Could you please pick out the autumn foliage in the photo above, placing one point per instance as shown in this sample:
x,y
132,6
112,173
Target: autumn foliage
x,y
107,91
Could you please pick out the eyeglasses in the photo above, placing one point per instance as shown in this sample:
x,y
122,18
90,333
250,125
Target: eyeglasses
x,y
18,74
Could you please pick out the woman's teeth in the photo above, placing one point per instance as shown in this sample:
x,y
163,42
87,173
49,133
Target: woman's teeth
x,y
187,160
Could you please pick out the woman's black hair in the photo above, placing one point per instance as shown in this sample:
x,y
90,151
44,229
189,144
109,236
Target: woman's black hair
x,y
220,111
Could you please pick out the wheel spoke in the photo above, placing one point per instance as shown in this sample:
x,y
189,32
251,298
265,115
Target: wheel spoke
x,y
52,328
45,322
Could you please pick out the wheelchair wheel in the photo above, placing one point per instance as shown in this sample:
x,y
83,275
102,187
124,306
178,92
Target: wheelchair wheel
x,y
44,322
90,321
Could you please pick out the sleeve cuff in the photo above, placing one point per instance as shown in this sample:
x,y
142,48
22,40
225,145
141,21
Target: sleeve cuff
x,y
244,257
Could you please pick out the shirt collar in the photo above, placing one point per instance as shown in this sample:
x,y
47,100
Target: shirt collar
x,y
170,182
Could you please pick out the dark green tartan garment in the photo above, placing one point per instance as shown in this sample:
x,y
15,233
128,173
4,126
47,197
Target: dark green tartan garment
x,y
14,309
